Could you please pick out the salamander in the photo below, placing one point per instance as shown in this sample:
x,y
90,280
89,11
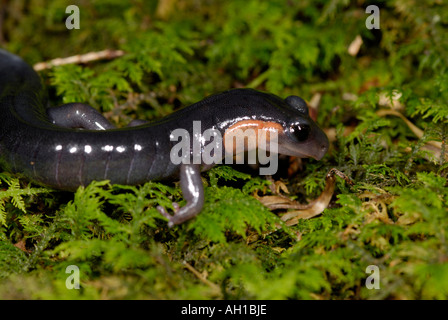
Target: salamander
x,y
68,146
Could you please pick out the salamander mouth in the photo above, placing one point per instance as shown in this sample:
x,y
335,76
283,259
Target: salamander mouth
x,y
313,148
294,152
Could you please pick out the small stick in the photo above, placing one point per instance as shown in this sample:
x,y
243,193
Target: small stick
x,y
80,58
212,285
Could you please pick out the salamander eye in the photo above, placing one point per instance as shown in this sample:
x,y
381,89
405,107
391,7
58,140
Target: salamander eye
x,y
300,131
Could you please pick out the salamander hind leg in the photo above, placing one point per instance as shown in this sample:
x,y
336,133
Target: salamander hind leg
x,y
193,192
78,115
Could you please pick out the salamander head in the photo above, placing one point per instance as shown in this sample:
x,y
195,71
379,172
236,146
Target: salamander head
x,y
301,136
298,135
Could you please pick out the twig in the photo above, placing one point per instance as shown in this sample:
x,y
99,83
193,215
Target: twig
x,y
80,58
202,278
416,130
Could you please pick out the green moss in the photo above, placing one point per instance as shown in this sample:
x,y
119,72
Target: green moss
x,y
394,216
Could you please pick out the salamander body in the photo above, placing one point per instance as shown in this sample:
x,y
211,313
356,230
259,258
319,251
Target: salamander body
x,y
71,145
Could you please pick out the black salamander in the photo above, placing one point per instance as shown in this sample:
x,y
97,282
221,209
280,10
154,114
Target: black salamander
x,y
71,145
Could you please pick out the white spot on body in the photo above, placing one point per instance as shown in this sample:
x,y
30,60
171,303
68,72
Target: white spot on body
x,y
107,148
120,149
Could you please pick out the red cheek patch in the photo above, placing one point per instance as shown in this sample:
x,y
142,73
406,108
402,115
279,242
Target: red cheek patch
x,y
246,132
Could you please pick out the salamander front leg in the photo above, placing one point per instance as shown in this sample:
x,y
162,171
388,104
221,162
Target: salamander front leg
x,y
193,192
83,116
78,115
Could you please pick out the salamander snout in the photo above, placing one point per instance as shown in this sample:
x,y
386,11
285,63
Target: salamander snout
x,y
303,139
323,147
